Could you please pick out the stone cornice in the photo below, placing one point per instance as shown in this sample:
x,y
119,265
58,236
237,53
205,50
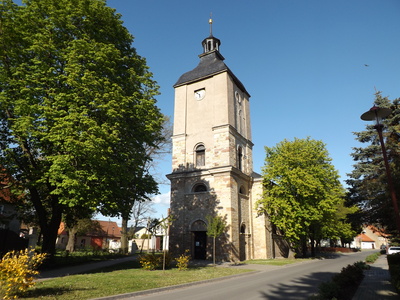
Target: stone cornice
x,y
233,131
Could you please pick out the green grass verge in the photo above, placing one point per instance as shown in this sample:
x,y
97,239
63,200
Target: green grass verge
x,y
120,279
372,257
275,262
62,259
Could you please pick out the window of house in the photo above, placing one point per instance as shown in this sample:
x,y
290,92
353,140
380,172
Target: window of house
x,y
1,209
200,155
200,187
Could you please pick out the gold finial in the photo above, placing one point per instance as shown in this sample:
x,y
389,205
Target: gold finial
x,y
210,21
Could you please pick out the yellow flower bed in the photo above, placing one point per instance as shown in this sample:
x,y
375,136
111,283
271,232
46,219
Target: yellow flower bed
x,y
17,271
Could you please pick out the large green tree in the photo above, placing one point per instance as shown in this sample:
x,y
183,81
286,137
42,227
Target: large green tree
x,y
302,190
368,184
77,109
136,194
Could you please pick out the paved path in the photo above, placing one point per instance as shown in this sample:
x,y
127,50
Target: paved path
x,y
376,283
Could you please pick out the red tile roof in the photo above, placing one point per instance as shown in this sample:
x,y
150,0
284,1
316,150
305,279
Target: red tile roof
x,y
365,238
378,231
110,228
5,193
107,229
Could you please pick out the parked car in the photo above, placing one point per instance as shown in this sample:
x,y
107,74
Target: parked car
x,y
392,250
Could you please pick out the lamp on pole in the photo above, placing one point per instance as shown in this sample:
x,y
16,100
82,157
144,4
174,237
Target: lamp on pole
x,y
377,114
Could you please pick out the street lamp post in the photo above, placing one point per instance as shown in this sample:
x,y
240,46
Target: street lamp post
x,y
377,114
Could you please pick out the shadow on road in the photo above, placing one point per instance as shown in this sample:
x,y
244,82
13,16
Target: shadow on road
x,y
301,288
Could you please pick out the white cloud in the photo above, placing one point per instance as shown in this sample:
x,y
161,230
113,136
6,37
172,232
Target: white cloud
x,y
162,199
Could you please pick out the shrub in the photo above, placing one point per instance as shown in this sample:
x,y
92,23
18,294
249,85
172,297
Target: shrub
x,y
150,261
372,257
350,275
182,262
395,276
394,259
362,265
17,269
342,285
328,290
394,269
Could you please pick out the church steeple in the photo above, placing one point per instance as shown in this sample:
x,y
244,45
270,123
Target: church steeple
x,y
210,43
212,164
211,63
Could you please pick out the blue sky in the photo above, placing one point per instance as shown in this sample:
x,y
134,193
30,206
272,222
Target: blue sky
x,y
303,62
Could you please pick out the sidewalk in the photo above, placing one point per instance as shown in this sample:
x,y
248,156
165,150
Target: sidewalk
x,y
376,283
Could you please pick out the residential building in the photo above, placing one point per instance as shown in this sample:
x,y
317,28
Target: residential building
x,y
106,236
10,226
371,237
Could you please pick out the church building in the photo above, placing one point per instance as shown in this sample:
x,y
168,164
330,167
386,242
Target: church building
x,y
212,165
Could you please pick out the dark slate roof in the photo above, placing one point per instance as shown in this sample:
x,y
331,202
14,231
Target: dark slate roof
x,y
211,63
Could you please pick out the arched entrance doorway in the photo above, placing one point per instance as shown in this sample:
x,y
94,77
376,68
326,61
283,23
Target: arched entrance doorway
x,y
243,243
199,237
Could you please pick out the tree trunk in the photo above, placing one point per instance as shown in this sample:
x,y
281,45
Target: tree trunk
x,y
312,246
48,225
304,246
71,239
214,250
50,235
124,236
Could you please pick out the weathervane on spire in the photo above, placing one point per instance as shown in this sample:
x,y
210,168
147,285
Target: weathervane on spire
x,y
210,22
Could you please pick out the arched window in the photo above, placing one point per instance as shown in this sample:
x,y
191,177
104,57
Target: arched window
x,y
242,190
199,187
200,156
240,124
239,158
243,228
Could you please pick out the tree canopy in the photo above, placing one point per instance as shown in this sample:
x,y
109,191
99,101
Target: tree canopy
x,y
302,194
368,185
77,109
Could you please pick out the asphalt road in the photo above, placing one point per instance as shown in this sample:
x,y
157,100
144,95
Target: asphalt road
x,y
296,281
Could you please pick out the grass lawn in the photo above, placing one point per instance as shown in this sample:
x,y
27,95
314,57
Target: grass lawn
x,y
119,279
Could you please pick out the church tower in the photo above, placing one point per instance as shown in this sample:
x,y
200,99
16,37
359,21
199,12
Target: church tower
x,y
212,167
